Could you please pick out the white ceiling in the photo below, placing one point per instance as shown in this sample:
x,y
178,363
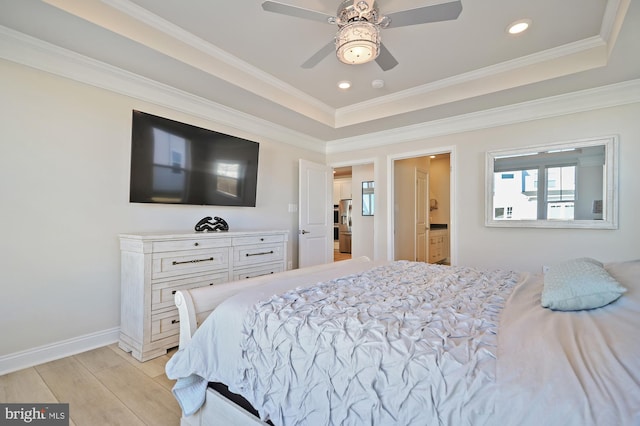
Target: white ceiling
x,y
240,56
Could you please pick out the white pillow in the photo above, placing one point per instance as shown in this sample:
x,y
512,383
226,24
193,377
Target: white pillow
x,y
579,284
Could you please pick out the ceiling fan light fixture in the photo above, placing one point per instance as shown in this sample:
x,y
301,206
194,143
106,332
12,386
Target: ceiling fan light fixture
x,y
358,42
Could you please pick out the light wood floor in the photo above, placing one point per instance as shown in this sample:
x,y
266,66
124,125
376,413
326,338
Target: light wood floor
x,y
105,386
340,256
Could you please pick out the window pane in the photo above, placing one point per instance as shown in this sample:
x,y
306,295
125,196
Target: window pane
x,y
515,194
561,183
561,192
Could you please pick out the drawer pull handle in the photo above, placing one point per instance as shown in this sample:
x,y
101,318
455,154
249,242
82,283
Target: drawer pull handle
x,y
259,254
253,276
175,321
193,261
196,244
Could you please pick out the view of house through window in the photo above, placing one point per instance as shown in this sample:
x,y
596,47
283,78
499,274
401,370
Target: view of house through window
x,y
522,195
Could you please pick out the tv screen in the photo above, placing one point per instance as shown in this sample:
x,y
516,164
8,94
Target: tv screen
x,y
176,163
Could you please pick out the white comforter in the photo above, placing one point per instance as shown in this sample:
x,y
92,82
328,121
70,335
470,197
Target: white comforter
x,y
403,344
406,343
425,353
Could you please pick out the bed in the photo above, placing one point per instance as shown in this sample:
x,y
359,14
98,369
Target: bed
x,y
400,343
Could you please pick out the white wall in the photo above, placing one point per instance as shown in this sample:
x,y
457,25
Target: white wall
x,y
362,231
440,189
474,244
64,189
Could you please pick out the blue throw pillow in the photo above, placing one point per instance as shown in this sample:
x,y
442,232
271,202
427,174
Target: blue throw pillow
x,y
579,284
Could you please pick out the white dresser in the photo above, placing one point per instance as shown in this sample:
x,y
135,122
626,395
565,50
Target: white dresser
x,y
155,266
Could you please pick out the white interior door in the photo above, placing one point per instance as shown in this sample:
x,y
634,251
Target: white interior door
x,y
422,216
315,214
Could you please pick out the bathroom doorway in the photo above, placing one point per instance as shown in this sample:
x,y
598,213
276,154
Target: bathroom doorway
x,y
422,218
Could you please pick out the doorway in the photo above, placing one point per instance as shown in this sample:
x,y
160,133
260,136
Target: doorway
x,y
421,215
342,213
357,239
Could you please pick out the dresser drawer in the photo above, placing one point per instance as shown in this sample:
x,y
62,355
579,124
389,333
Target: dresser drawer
x,y
255,254
170,264
165,324
190,244
258,239
163,293
436,255
257,271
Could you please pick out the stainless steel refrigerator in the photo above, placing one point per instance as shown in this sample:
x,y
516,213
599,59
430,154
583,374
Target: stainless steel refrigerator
x,y
344,226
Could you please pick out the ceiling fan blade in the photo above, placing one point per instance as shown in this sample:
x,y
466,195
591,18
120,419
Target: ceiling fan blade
x,y
298,12
385,59
426,14
320,55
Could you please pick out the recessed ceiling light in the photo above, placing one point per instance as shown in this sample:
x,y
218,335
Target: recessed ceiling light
x,y
377,84
519,26
344,85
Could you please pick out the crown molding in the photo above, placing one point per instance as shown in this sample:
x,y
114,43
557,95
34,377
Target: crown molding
x,y
614,15
194,51
26,50
585,100
562,60
236,72
20,48
501,68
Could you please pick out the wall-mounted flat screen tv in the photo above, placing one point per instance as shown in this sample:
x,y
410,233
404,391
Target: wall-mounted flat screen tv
x,y
176,163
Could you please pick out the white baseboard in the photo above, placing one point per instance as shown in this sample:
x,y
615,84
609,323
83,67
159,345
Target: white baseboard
x,y
30,357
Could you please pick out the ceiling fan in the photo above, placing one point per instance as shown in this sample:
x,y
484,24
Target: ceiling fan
x,y
359,23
